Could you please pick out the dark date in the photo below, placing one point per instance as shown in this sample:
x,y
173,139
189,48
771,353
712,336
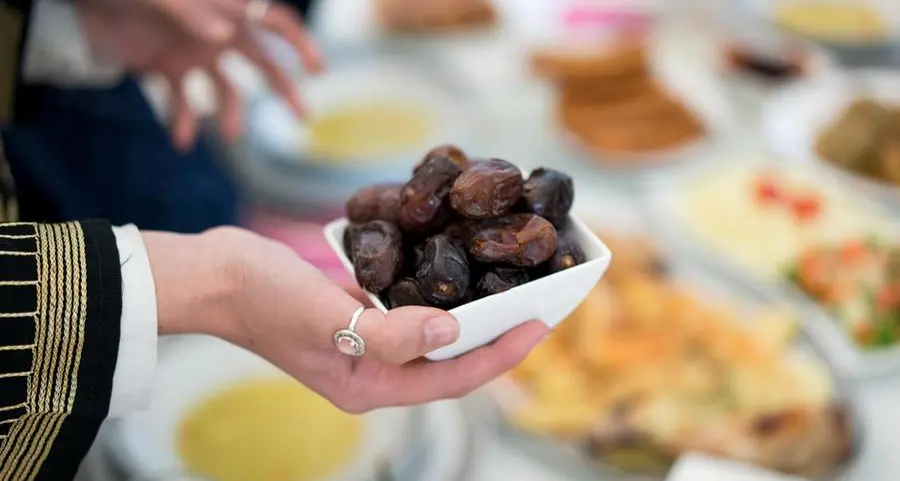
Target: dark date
x,y
568,254
443,275
376,250
501,279
450,152
422,199
487,189
523,240
376,202
549,194
405,292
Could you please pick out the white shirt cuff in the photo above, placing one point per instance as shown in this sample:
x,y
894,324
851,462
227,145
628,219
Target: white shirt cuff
x,y
136,362
57,51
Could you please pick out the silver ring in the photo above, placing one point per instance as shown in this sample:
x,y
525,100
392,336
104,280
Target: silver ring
x,y
348,341
256,11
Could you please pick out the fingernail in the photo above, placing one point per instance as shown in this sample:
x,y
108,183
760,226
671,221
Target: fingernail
x,y
440,331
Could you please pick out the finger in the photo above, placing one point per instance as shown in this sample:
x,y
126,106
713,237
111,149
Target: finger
x,y
199,20
426,381
278,80
406,333
285,22
230,114
183,123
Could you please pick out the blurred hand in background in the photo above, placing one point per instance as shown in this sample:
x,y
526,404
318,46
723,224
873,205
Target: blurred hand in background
x,y
172,38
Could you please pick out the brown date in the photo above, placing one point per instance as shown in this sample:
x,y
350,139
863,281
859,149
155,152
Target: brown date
x,y
422,199
405,293
443,275
451,152
568,254
549,193
501,279
377,253
523,240
487,189
375,202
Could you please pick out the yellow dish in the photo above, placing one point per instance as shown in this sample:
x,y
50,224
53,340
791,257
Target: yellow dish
x,y
353,132
268,430
833,21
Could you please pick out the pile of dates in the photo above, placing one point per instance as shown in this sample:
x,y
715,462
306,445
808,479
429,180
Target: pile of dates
x,y
459,230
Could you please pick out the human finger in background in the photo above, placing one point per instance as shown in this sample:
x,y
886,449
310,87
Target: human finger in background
x,y
424,381
199,19
248,46
230,113
183,119
286,23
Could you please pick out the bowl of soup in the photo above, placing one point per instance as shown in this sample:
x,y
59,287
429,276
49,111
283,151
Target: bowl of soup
x,y
221,413
365,121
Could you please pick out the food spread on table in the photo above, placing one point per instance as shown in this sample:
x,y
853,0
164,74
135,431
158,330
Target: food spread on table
x,y
858,281
425,16
833,21
761,218
864,139
460,229
610,101
267,430
647,369
367,130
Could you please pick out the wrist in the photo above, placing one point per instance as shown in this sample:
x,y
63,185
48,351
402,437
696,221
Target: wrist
x,y
198,280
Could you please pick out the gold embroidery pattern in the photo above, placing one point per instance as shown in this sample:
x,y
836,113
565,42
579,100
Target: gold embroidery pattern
x,y
59,339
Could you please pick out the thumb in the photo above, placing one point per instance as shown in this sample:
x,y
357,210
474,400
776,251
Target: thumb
x,y
406,333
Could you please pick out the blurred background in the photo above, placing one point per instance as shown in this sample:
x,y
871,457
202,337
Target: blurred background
x,y
742,161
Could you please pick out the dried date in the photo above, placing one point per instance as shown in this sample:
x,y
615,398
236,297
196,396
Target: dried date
x,y
549,194
443,275
422,199
405,293
522,240
447,151
487,189
375,202
377,253
568,254
501,279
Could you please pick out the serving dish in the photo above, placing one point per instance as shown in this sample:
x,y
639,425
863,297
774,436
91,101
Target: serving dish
x,y
507,398
776,244
191,369
794,119
484,320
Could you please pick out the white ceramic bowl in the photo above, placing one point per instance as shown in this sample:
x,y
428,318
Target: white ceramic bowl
x,y
549,299
195,367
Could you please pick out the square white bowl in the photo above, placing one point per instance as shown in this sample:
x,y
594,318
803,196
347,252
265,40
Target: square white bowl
x,y
549,299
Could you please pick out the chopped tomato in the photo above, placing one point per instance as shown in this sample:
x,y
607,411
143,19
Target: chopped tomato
x,y
767,190
886,299
806,207
863,332
854,251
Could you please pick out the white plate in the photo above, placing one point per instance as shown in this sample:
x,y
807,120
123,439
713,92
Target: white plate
x,y
793,120
191,369
549,299
676,232
505,397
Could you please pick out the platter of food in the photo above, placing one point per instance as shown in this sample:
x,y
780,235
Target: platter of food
x,y
474,236
765,222
613,108
665,358
849,125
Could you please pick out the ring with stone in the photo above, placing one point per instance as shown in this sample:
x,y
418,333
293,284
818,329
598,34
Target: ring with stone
x,y
347,340
256,11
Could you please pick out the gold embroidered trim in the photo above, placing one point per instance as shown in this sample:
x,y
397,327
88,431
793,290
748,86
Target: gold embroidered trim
x,y
17,253
14,406
17,236
19,283
14,374
16,348
59,341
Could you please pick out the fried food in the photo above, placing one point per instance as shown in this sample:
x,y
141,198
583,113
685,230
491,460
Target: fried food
x,y
643,370
427,16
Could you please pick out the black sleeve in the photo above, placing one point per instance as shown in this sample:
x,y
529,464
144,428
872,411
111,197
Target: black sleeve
x,y
14,21
60,309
